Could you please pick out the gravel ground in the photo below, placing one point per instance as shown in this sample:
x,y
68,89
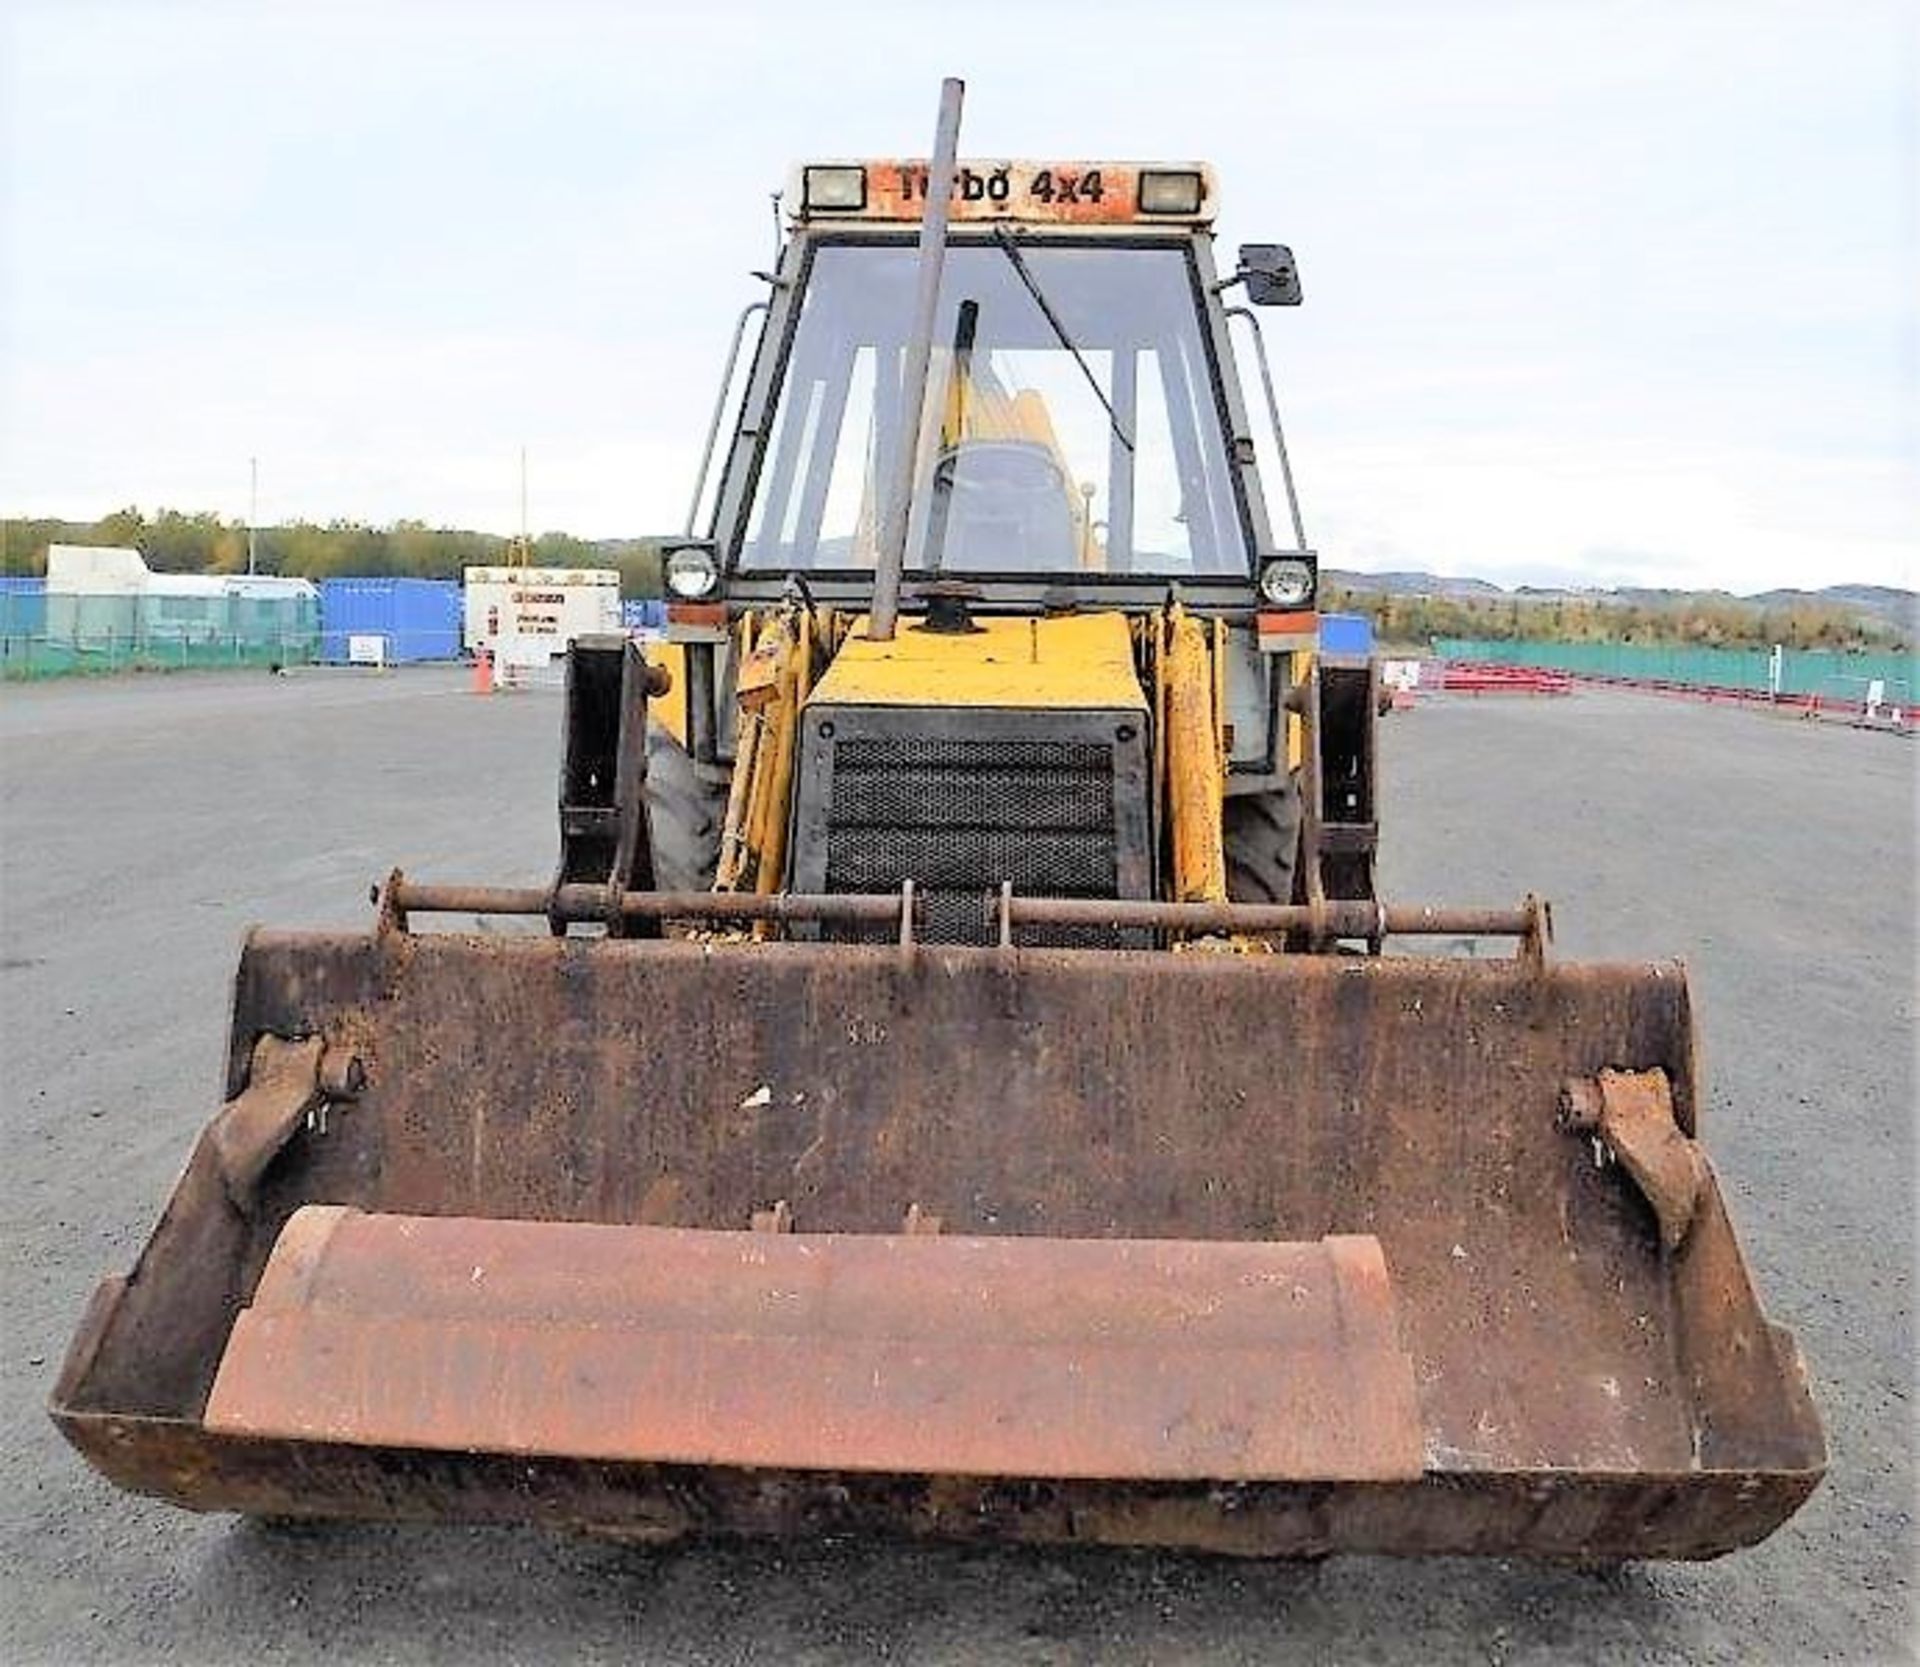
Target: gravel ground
x,y
144,823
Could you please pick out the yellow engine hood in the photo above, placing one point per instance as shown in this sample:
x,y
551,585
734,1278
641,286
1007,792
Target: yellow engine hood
x,y
1080,661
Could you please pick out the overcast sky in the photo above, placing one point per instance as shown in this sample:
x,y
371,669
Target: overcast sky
x,y
1595,292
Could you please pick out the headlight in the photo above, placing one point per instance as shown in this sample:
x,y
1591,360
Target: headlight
x,y
1287,583
690,572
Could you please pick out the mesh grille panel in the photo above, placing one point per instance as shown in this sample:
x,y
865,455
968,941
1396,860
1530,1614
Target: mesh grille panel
x,y
960,752
1007,800
960,816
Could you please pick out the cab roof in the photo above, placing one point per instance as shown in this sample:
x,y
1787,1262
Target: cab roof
x,y
1092,193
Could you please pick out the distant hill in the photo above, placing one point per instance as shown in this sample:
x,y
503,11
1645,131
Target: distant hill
x,y
1412,584
1900,606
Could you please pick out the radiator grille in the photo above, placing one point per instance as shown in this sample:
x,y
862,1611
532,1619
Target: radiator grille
x,y
959,816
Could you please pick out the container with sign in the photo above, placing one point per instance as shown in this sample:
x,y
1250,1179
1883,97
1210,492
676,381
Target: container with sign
x,y
538,607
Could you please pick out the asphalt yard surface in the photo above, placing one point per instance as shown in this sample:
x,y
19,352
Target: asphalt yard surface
x,y
144,823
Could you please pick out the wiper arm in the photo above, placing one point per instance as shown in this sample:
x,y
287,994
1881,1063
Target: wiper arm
x,y
1012,251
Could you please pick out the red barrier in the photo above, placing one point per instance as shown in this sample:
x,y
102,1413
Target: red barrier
x,y
1476,677
1491,677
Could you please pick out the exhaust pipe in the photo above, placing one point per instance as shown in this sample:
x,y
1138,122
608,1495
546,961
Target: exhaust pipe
x,y
913,391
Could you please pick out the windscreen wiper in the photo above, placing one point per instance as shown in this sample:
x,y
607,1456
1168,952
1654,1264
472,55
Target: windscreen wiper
x,y
1012,250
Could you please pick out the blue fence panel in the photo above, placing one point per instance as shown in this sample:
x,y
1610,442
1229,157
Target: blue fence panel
x,y
23,605
1346,634
419,619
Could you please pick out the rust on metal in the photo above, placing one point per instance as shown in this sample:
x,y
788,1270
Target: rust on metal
x,y
287,1082
1529,922
1579,1390
590,903
779,1219
1322,920
1076,193
1012,1357
1632,1113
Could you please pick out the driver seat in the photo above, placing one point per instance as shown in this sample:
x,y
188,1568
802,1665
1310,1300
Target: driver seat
x,y
1001,506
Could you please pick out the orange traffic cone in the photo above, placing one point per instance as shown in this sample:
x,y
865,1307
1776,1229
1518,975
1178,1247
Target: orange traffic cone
x,y
483,672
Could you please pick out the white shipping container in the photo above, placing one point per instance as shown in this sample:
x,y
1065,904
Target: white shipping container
x,y
96,570
519,610
119,570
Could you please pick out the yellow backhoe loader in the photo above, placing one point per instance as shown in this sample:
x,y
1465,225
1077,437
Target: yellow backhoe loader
x,y
970,1085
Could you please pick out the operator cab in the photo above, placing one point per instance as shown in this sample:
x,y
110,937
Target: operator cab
x,y
1082,430
1083,445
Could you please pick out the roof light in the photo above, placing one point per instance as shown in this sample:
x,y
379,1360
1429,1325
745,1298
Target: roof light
x,y
834,190
1167,191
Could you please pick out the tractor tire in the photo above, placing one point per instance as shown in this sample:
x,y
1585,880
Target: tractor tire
x,y
685,813
1263,844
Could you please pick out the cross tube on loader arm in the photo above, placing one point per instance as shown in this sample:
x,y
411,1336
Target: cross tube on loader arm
x,y
947,1101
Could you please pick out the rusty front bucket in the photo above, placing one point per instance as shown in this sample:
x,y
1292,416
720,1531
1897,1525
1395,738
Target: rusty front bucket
x,y
1272,1255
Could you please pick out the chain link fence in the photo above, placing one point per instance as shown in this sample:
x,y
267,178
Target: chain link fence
x,y
1829,673
55,634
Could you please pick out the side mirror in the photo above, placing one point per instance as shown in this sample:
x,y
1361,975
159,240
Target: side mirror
x,y
1272,278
